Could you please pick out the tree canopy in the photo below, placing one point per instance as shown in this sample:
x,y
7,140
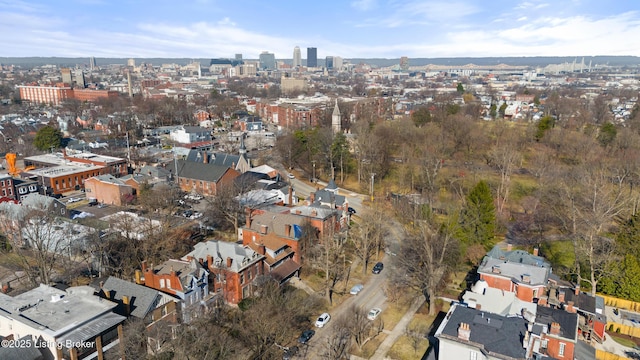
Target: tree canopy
x,y
48,137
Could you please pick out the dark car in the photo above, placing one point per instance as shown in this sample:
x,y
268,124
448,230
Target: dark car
x,y
377,268
306,336
289,353
351,210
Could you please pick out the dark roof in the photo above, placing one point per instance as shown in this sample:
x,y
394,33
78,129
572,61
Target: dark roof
x,y
22,352
195,129
198,171
285,270
331,185
328,196
568,321
582,301
141,298
248,179
498,334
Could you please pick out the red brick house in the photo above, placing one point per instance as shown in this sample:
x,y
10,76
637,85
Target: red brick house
x,y
233,268
202,178
516,271
279,262
108,189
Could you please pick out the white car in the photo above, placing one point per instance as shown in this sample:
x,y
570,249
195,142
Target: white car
x,y
72,200
373,313
291,176
323,320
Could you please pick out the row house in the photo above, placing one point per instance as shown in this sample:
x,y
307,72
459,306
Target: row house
x,y
469,333
234,268
516,271
187,280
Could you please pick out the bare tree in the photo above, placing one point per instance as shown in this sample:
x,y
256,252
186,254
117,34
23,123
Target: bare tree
x,y
427,256
368,235
338,342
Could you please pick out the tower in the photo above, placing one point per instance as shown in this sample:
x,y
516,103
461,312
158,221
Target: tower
x,y
328,62
336,122
312,57
297,58
92,63
66,76
267,61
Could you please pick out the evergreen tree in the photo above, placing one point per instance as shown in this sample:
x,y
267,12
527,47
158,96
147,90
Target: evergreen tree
x,y
48,137
478,218
460,88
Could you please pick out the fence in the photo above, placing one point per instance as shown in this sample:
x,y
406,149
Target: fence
x,y
620,303
603,355
614,327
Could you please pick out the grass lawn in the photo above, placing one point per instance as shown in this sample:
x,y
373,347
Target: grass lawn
x,y
408,348
622,340
369,348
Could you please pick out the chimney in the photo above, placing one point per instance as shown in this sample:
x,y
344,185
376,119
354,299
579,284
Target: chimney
x,y
526,278
287,230
569,308
173,272
577,290
464,332
290,196
144,265
263,229
138,277
495,269
555,328
261,249
312,197
64,152
535,251
561,296
314,213
509,247
205,157
229,261
209,261
127,307
247,217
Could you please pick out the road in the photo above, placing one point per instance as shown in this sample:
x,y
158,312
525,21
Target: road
x,y
372,295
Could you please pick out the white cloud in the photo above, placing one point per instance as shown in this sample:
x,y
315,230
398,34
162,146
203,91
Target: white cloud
x,y
363,5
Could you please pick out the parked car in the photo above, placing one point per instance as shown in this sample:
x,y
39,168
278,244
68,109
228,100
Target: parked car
x,y
356,289
187,213
102,205
373,313
377,268
323,320
290,352
351,210
306,336
72,200
291,176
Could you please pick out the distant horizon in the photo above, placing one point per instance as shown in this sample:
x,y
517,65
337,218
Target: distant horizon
x,y
613,60
370,29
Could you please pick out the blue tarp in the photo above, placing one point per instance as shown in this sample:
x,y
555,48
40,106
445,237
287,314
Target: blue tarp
x,y
297,231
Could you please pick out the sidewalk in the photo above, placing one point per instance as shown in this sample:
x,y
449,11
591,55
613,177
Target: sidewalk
x,y
398,330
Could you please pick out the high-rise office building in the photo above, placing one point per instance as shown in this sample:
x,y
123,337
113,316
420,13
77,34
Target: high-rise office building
x,y
267,61
297,57
239,57
328,62
404,63
131,63
79,79
92,63
337,62
66,76
312,57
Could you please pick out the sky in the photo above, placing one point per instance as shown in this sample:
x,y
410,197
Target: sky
x,y
346,28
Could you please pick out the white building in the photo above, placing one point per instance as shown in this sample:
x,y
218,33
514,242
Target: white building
x,y
190,134
68,324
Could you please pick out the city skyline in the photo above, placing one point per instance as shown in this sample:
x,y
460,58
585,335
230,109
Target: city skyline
x,y
359,29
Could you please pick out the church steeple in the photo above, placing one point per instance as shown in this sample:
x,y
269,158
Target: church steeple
x,y
336,121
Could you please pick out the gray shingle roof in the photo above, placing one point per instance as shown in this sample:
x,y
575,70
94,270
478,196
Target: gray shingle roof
x,y
568,321
242,256
498,334
198,171
142,299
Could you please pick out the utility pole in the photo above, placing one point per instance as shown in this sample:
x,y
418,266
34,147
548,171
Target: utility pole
x,y
373,175
314,171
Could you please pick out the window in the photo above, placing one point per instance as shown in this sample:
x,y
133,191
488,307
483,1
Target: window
x,y
162,283
473,355
2,183
241,278
169,283
8,182
561,351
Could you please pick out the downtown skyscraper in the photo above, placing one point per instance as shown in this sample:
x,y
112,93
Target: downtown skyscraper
x,y
297,57
312,57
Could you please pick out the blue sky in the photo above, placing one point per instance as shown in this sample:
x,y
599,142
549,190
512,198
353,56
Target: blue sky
x,y
347,28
